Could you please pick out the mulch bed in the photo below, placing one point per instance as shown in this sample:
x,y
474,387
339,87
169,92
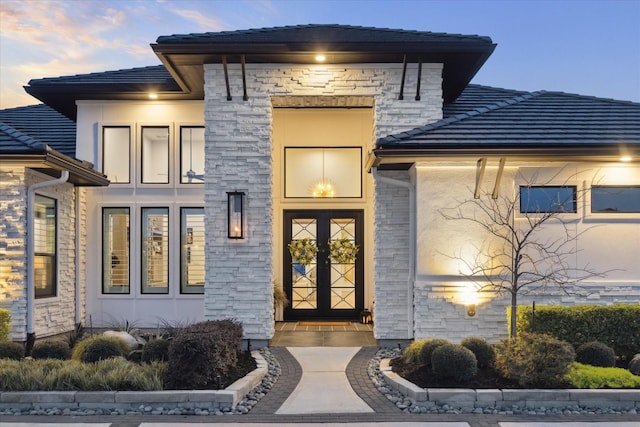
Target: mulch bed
x,y
246,364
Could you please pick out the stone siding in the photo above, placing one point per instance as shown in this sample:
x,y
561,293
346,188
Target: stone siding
x,y
238,157
391,259
13,252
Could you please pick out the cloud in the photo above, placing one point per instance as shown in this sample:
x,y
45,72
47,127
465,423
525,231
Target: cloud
x,y
206,23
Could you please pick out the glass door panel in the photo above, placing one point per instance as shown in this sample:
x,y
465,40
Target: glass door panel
x,y
323,264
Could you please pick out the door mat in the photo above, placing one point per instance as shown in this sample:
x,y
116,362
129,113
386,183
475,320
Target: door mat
x,y
324,323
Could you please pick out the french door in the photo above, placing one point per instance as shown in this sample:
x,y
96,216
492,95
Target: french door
x,y
324,264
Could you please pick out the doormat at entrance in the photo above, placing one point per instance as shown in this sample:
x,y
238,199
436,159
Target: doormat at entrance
x,y
324,323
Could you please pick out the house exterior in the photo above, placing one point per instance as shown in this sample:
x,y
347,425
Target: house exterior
x,y
261,158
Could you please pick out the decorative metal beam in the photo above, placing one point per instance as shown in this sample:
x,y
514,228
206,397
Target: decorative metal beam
x,y
226,77
244,81
419,78
496,187
404,73
482,163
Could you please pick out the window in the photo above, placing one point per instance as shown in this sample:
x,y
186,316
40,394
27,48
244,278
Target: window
x,y
616,199
323,172
191,155
115,251
116,143
44,260
155,154
155,251
192,251
547,199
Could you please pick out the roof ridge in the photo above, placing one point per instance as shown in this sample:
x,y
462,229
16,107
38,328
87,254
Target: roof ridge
x,y
588,97
22,137
460,117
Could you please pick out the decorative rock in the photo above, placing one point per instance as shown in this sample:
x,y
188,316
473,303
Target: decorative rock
x,y
129,339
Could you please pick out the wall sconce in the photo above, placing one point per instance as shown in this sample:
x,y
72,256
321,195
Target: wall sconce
x,y
235,215
471,310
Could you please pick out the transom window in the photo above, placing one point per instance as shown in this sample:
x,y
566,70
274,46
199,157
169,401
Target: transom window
x,y
155,154
191,154
322,172
615,199
45,242
547,199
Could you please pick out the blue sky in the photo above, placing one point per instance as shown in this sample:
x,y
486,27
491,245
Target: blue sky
x,y
586,47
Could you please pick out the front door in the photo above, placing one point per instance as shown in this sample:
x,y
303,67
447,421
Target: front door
x,y
323,271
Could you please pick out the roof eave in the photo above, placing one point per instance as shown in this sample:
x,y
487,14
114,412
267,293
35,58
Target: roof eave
x,y
595,153
51,162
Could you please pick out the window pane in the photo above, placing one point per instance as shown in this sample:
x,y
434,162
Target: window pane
x,y
115,153
192,251
155,155
546,199
191,155
115,251
155,250
44,231
323,172
619,199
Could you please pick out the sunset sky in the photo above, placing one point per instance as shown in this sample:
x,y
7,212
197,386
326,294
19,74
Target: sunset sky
x,y
575,46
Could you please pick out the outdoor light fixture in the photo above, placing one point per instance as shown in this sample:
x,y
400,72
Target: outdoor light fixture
x,y
235,215
471,310
320,58
153,95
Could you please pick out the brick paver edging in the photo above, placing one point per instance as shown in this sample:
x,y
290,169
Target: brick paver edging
x,y
507,398
203,399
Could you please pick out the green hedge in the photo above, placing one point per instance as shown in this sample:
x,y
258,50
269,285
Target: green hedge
x,y
617,326
5,324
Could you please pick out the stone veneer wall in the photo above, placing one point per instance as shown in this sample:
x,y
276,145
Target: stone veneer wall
x,y
238,157
51,315
392,255
13,253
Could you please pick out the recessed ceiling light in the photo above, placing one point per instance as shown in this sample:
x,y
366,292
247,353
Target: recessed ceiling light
x,y
320,58
153,95
625,158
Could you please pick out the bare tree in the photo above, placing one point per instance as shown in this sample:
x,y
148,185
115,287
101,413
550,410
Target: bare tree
x,y
529,244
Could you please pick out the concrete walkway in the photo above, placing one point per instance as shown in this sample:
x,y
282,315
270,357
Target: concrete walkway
x,y
324,387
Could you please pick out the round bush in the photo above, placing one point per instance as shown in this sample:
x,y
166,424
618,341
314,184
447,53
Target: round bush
x,y
51,350
427,350
596,354
484,352
411,353
99,348
634,365
537,360
156,350
11,350
454,361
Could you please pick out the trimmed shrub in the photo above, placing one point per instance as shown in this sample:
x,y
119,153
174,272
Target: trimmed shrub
x,y
595,353
537,360
11,350
634,365
5,324
411,354
427,349
454,361
588,376
156,350
51,350
203,355
97,348
617,326
484,352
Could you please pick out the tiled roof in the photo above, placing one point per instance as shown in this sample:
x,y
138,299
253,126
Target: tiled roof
x,y
62,92
526,120
15,142
330,33
43,124
476,96
131,77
